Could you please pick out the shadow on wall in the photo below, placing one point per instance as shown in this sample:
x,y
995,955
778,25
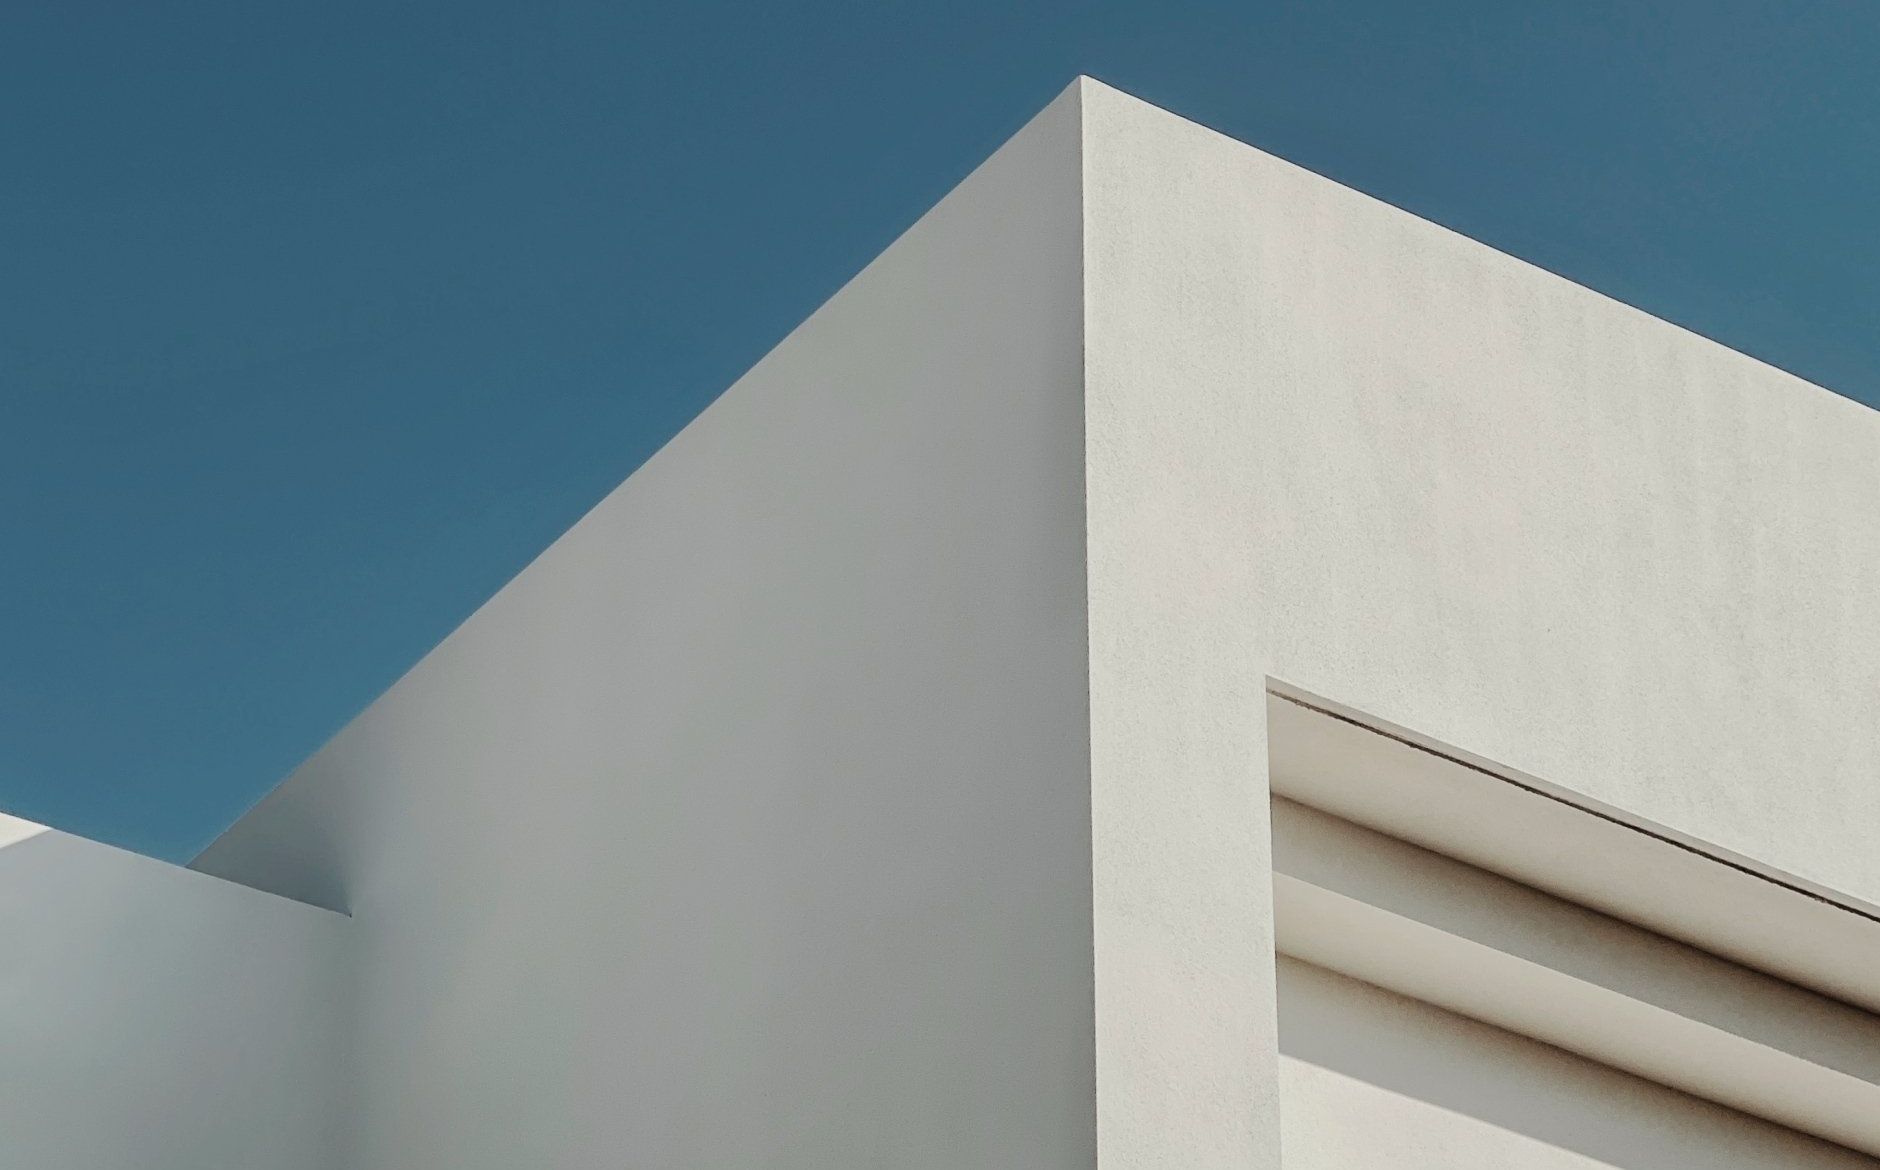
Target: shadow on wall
x,y
13,830
1370,1078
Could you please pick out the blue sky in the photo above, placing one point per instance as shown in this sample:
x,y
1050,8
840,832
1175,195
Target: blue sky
x,y
317,321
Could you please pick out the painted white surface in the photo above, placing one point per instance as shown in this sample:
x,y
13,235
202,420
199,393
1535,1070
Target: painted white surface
x,y
1527,831
1426,480
1452,936
1182,878
157,1019
879,776
1375,1081
750,825
13,830
1334,445
1331,444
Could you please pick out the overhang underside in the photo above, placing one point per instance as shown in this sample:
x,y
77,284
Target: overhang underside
x,y
1469,956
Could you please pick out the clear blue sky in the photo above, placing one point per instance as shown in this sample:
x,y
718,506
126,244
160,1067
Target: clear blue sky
x,y
321,319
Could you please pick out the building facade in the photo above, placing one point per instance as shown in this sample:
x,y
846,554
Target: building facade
x,y
1178,664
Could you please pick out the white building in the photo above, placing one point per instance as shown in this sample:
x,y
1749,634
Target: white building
x,y
1179,664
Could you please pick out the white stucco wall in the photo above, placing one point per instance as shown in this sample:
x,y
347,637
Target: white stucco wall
x,y
750,825
1335,445
1396,468
157,1019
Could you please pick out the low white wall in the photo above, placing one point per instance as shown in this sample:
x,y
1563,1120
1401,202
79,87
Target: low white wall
x,y
152,1018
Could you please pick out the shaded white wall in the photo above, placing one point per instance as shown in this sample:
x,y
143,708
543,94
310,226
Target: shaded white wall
x,y
750,825
152,1018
